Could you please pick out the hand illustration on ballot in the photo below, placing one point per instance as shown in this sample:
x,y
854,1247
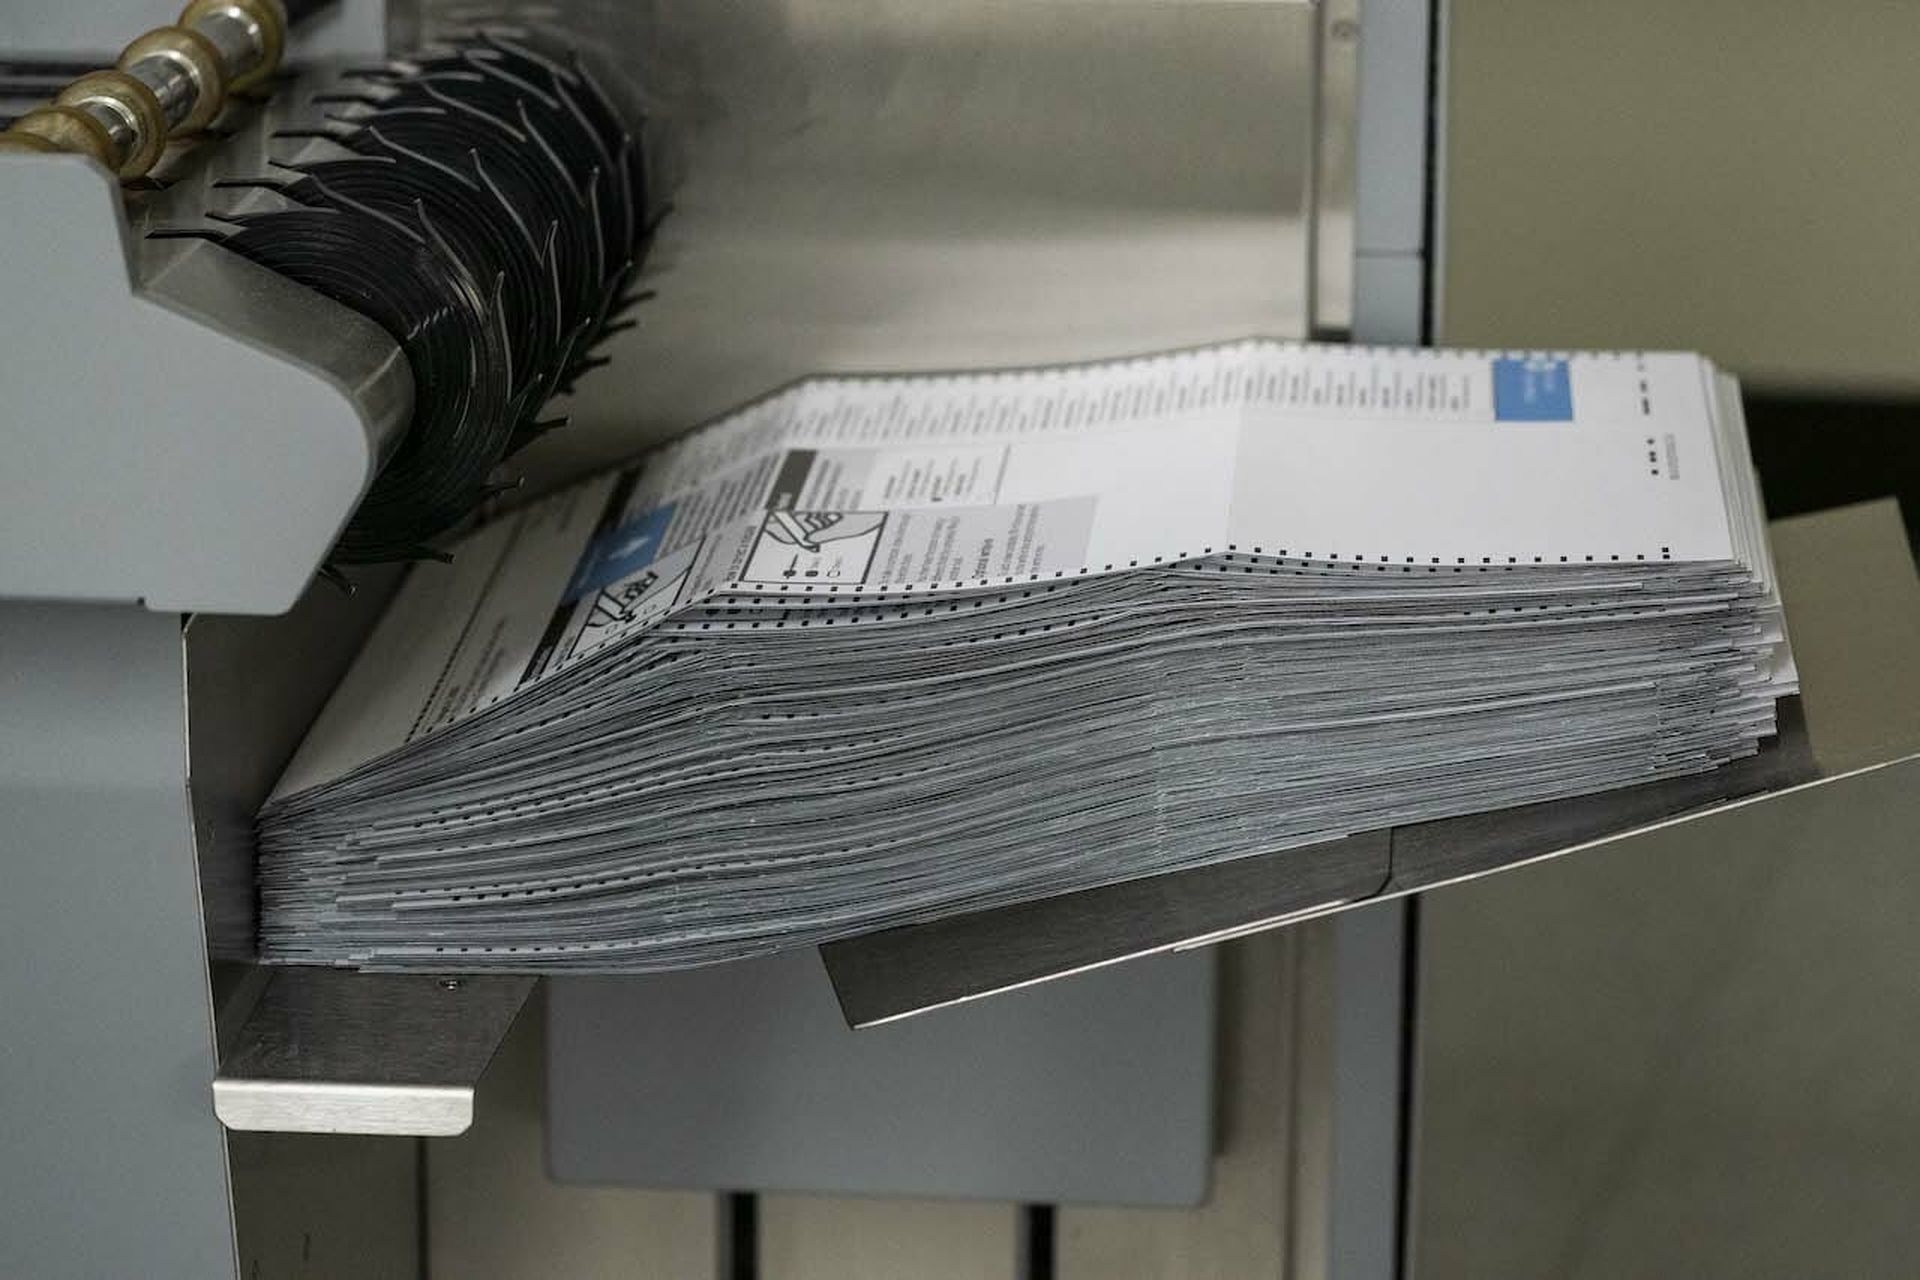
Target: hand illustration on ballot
x,y
807,530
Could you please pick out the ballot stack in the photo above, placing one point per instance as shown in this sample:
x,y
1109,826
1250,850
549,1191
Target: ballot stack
x,y
877,650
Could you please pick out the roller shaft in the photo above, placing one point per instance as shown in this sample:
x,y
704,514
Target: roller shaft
x,y
170,81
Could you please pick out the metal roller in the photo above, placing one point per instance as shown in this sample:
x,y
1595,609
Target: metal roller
x,y
170,82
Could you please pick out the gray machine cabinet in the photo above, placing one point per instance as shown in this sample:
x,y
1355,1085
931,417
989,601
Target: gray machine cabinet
x,y
111,1163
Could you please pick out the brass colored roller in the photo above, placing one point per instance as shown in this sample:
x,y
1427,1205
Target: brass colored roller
x,y
130,113
66,129
172,80
15,140
263,23
188,51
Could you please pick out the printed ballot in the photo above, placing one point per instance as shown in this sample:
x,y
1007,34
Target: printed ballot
x,y
874,650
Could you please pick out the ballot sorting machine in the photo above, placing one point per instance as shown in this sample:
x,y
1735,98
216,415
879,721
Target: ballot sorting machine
x,y
878,186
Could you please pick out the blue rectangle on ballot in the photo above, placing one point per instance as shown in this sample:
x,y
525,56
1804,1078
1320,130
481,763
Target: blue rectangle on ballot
x,y
619,553
1532,389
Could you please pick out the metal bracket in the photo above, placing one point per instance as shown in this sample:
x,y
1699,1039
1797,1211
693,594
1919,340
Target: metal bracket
x,y
331,1051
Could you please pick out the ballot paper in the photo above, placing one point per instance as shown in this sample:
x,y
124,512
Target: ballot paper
x,y
873,650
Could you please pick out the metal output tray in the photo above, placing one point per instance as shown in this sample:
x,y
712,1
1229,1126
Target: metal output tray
x,y
1860,710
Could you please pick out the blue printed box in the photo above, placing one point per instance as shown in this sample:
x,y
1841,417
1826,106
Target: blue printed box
x,y
619,553
1532,389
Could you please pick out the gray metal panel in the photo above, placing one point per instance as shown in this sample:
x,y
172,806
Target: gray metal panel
x,y
1389,294
1390,267
348,28
308,1207
344,29
174,399
744,1076
113,1162
169,405
1331,225
1442,28
1370,1044
1390,202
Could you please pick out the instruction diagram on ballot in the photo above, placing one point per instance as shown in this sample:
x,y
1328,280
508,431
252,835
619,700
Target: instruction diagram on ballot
x,y
911,516
816,546
920,546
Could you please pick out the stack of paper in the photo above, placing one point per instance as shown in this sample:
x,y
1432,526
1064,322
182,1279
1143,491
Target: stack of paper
x,y
874,650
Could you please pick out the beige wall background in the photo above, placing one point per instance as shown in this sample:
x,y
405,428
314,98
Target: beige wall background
x,y
1740,177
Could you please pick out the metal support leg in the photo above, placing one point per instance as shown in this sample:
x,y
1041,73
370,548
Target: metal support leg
x,y
114,1164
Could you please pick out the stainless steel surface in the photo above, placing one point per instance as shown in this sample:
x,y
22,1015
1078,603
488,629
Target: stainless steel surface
x,y
336,1107
896,972
914,184
111,1163
327,1051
